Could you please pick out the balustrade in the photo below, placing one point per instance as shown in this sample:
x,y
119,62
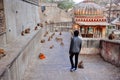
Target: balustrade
x,y
60,26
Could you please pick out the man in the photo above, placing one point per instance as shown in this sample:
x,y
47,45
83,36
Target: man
x,y
75,47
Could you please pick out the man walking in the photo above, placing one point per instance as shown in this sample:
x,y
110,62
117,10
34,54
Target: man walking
x,y
75,47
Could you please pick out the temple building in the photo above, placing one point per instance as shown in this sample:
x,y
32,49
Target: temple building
x,y
89,16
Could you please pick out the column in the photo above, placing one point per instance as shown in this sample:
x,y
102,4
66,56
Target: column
x,y
103,31
94,34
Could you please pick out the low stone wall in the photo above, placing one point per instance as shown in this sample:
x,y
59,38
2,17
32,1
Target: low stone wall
x,y
110,51
90,46
18,55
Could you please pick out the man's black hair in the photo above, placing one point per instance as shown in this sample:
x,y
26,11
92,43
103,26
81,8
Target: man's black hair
x,y
76,33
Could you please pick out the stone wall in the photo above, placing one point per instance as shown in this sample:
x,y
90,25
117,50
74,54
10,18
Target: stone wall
x,y
1,4
2,25
90,46
14,64
110,51
54,14
19,15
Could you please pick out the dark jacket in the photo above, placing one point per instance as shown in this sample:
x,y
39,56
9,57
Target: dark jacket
x,y
75,45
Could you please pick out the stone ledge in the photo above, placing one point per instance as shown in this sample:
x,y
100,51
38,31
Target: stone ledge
x,y
111,41
110,51
91,38
14,49
90,51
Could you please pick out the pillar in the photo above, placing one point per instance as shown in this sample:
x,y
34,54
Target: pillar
x,y
103,31
94,32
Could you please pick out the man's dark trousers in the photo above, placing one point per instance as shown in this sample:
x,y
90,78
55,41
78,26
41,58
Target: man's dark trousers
x,y
76,60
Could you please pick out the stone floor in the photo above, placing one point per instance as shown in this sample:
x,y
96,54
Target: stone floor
x,y
56,65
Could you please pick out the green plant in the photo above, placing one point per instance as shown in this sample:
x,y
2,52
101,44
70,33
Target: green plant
x,y
66,4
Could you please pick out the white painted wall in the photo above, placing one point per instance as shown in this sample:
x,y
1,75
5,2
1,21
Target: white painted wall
x,y
19,15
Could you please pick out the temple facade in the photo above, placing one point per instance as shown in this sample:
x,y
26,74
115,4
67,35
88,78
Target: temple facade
x,y
89,16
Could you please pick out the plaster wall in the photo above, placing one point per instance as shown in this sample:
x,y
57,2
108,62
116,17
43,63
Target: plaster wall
x,y
14,64
19,15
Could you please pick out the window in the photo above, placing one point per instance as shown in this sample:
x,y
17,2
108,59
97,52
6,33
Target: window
x,y
82,30
90,30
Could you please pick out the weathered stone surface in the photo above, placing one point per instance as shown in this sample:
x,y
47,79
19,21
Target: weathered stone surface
x,y
58,15
13,65
56,65
19,15
90,46
110,51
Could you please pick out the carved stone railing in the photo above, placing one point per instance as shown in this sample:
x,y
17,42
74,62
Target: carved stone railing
x,y
60,26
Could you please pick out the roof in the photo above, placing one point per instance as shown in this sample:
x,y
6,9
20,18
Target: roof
x,y
94,23
88,7
115,21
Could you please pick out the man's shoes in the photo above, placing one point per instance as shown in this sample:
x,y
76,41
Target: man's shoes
x,y
73,69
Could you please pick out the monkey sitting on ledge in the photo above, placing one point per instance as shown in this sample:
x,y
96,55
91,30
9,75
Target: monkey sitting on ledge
x,y
27,30
2,53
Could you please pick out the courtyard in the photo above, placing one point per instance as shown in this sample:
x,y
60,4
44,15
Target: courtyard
x,y
56,65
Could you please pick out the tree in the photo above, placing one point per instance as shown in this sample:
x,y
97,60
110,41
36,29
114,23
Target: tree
x,y
66,4
47,0
63,4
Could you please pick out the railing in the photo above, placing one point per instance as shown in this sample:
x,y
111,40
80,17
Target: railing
x,y
60,26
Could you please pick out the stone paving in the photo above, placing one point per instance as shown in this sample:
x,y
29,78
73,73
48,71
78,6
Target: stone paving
x,y
56,65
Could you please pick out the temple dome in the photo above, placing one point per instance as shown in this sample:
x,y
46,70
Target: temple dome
x,y
87,7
